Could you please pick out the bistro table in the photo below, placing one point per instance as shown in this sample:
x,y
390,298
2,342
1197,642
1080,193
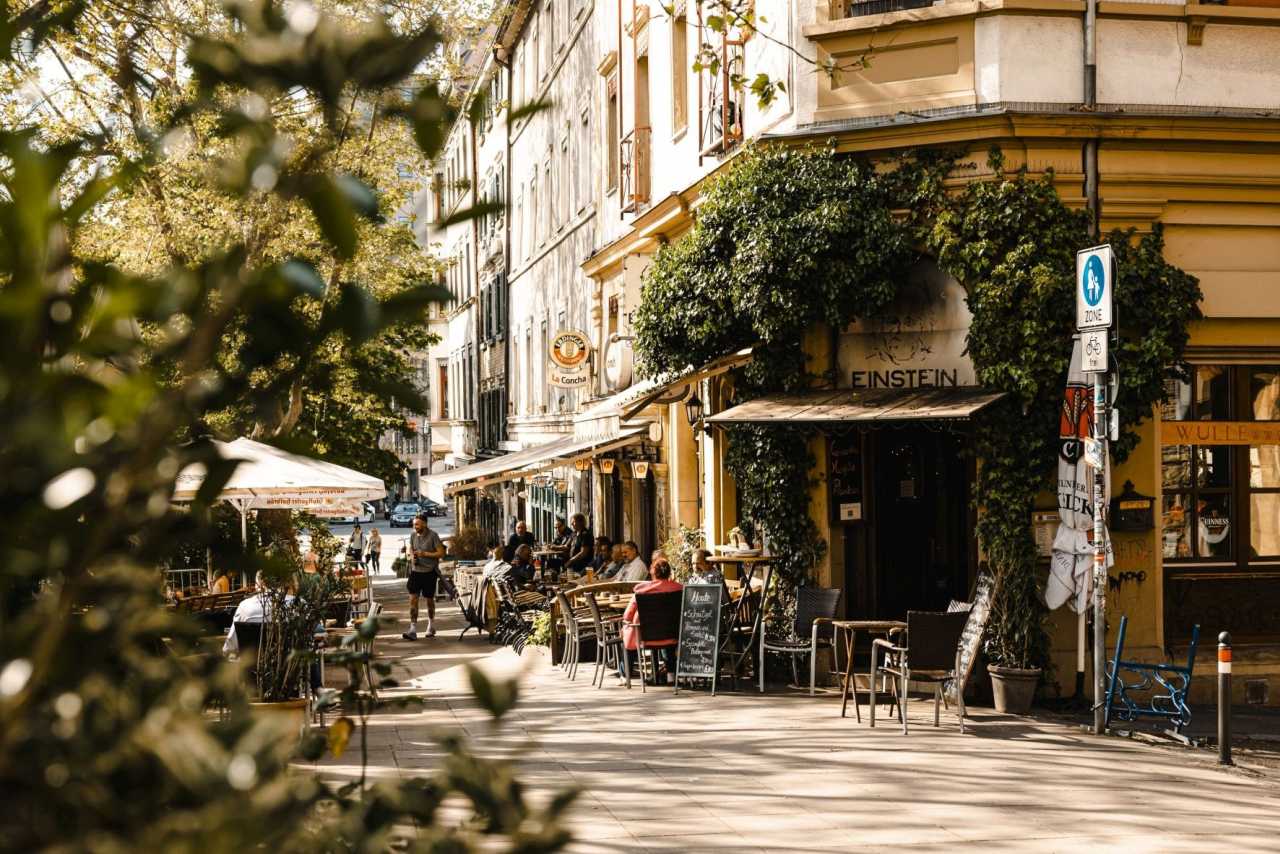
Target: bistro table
x,y
849,629
747,566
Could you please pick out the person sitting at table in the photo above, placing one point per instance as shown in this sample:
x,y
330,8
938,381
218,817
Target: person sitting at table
x,y
615,564
581,546
702,567
633,569
251,609
221,582
521,537
660,582
521,569
560,544
600,558
497,560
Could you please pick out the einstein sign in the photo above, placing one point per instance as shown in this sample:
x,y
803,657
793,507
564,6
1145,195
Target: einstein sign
x,y
917,342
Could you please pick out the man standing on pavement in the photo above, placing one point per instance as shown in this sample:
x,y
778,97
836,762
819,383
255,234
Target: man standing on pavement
x,y
425,551
582,546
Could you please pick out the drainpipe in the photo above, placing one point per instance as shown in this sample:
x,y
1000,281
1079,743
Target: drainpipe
x,y
1092,201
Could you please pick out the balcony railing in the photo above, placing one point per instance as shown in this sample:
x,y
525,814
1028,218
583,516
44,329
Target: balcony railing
x,y
857,8
635,162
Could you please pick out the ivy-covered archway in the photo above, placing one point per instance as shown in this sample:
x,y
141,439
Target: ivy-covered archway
x,y
789,238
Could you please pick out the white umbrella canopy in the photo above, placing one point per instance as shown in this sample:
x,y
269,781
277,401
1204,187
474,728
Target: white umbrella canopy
x,y
269,478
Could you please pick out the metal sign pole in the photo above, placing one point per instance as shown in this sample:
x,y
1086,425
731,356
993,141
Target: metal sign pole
x,y
1099,554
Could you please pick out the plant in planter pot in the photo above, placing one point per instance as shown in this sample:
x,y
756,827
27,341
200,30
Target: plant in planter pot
x,y
1016,645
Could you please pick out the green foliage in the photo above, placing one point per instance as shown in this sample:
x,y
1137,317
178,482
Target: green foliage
x,y
469,543
786,240
540,632
108,737
679,549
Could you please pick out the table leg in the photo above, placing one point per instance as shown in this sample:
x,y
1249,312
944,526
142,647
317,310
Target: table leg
x,y
851,637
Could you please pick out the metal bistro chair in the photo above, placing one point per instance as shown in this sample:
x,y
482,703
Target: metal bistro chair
x,y
815,608
657,625
609,646
577,628
929,653
359,646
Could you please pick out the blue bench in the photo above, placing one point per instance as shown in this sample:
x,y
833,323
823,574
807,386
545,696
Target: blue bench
x,y
1164,687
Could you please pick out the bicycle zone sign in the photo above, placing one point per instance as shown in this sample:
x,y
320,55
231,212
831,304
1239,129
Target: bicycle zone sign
x,y
1094,287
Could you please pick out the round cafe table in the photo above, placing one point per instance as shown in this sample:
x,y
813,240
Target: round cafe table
x,y
849,629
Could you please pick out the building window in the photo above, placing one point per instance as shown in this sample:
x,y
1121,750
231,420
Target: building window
x,y
679,70
583,161
1220,474
613,141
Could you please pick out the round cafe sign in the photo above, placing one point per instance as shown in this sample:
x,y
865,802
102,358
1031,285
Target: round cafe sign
x,y
569,348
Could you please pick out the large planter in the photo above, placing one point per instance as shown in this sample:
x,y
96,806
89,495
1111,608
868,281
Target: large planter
x,y
288,716
1014,688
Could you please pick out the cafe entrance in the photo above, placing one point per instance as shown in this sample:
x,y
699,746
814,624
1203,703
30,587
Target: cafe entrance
x,y
913,546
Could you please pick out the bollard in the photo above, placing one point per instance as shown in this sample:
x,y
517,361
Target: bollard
x,y
1224,699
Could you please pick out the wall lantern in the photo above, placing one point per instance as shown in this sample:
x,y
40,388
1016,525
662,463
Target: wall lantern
x,y
640,469
694,412
582,464
607,464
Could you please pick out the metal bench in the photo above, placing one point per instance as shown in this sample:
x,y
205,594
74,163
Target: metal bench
x,y
1165,687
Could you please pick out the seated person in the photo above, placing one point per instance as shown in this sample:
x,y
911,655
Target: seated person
x,y
521,570
521,537
561,543
221,582
661,582
634,568
252,609
497,559
600,558
616,561
702,567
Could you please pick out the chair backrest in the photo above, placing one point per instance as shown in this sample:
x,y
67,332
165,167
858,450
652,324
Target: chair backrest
x,y
813,603
933,637
659,615
594,608
566,614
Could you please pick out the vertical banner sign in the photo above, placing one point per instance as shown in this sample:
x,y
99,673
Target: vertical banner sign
x,y
1094,316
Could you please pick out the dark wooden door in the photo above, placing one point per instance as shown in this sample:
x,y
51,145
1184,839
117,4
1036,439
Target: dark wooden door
x,y
921,518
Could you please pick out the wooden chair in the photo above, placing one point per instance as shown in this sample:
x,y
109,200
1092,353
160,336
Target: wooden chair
x,y
657,625
930,652
815,607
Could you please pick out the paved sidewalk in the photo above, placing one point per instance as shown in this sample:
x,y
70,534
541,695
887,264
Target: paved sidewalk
x,y
783,772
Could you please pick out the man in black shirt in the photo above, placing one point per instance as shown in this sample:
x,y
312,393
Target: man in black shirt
x,y
582,545
521,537
604,548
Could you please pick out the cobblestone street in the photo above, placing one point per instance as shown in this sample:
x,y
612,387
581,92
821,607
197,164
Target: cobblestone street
x,y
783,772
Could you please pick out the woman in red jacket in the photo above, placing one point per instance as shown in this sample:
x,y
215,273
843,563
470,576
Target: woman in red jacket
x,y
661,582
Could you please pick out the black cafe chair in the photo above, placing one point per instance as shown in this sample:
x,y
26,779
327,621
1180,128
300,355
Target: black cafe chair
x,y
930,652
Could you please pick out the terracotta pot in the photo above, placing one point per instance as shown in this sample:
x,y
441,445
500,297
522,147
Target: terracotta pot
x,y
290,716
1013,688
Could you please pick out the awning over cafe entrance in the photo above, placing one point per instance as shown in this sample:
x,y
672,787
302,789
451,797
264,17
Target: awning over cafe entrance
x,y
527,461
865,406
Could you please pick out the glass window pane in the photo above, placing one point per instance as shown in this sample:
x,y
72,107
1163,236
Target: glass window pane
x,y
1176,525
1213,466
1264,392
1176,468
1177,400
1264,466
1213,526
1213,399
1264,524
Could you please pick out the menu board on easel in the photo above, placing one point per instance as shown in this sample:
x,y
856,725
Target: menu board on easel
x,y
698,655
844,474
975,626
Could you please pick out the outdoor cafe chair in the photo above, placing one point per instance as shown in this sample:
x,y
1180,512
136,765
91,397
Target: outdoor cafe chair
x,y
815,608
609,646
359,646
657,625
929,652
577,628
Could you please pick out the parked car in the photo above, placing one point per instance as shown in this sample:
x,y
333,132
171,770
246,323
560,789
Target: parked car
x,y
402,516
434,508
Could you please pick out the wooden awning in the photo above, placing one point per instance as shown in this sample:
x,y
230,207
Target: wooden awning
x,y
870,406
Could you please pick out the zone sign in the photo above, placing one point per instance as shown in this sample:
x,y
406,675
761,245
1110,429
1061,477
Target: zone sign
x,y
1094,287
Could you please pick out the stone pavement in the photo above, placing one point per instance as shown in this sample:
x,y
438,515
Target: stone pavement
x,y
783,772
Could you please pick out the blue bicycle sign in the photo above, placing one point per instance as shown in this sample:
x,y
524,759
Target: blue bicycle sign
x,y
1093,291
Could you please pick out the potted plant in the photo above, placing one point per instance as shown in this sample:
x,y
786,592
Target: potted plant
x,y
1016,645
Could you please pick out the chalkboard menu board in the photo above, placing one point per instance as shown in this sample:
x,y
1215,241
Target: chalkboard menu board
x,y
700,620
844,473
971,637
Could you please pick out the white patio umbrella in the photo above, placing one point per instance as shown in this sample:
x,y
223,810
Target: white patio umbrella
x,y
269,478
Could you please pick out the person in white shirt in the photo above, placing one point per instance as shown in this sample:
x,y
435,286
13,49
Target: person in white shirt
x,y
634,569
250,610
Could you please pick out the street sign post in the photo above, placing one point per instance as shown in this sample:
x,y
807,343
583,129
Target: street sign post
x,y
1095,277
